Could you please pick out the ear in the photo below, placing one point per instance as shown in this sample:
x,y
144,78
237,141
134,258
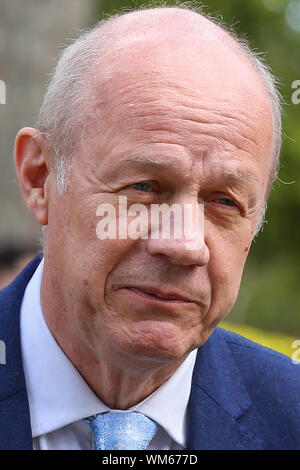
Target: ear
x,y
32,172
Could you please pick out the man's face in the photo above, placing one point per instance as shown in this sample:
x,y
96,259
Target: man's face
x,y
191,134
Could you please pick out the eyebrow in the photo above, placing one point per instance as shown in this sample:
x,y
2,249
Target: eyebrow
x,y
239,176
148,162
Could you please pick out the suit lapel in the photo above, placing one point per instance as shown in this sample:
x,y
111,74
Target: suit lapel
x,y
218,400
15,430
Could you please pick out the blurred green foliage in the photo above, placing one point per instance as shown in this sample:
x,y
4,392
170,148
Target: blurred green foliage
x,y
270,292
284,344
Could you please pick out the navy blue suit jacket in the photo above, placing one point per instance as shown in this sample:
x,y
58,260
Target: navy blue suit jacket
x,y
243,396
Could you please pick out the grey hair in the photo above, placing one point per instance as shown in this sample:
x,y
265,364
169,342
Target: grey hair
x,y
63,113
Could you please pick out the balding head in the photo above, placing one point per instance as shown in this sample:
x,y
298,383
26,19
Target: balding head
x,y
150,43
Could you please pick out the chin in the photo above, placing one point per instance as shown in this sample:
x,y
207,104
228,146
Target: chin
x,y
157,341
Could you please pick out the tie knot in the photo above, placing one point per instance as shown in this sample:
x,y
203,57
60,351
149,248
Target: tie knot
x,y
121,430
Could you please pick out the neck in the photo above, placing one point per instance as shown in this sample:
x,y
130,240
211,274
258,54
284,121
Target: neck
x,y
121,386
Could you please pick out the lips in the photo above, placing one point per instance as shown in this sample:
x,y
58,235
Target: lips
x,y
159,294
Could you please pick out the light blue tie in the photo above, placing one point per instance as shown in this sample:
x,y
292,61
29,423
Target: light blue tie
x,y
115,430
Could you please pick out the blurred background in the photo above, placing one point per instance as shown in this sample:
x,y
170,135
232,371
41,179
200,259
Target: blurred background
x,y
31,35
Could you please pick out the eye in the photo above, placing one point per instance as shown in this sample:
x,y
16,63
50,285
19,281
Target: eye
x,y
226,202
144,186
143,190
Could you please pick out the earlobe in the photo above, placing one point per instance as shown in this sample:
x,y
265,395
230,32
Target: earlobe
x,y
32,172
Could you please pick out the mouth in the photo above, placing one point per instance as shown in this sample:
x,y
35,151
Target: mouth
x,y
158,296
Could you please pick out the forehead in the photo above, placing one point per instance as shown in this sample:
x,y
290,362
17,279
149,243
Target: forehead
x,y
197,96
180,49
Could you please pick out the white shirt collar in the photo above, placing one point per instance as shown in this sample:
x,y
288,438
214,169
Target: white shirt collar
x,y
59,396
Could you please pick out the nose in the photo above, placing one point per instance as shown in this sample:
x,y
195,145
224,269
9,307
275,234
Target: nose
x,y
185,245
177,252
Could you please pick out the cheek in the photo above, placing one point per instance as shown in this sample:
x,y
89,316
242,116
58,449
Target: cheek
x,y
96,261
79,238
225,270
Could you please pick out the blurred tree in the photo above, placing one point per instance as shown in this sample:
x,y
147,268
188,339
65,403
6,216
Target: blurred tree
x,y
270,293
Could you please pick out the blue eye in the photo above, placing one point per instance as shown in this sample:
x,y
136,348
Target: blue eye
x,y
143,186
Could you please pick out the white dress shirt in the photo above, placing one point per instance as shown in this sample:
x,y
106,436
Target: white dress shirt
x,y
59,398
